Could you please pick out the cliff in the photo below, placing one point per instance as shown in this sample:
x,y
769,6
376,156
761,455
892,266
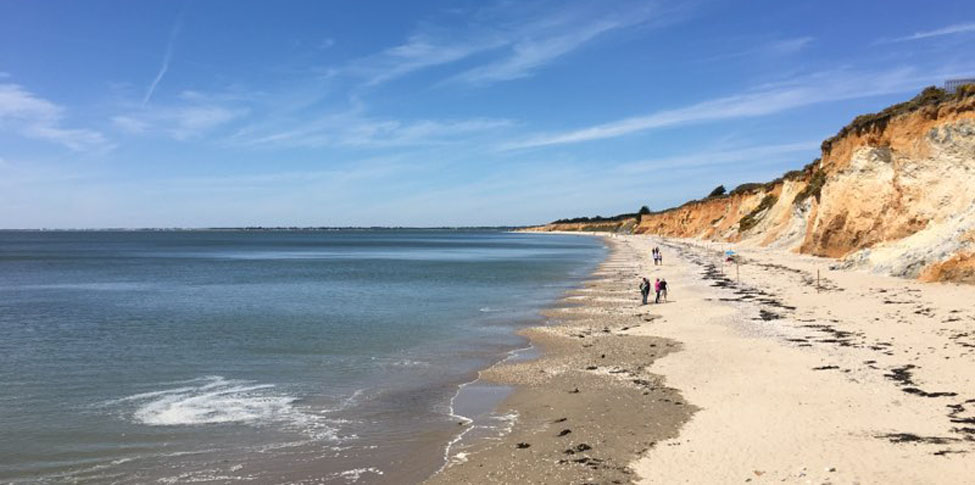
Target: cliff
x,y
625,225
893,192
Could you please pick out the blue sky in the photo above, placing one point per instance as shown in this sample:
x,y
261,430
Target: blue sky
x,y
231,113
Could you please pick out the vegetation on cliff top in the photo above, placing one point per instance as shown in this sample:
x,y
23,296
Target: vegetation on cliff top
x,y
717,192
930,96
811,172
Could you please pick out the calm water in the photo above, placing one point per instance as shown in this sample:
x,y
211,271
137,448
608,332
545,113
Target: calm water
x,y
286,357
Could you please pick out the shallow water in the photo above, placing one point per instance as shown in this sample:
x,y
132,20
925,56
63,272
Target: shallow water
x,y
272,356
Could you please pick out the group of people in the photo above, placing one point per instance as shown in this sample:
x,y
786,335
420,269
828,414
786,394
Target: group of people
x,y
659,286
658,257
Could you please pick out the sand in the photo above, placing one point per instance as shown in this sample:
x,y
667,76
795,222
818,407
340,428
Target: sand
x,y
868,379
863,379
588,405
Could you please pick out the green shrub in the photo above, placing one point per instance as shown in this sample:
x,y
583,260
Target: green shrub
x,y
813,188
717,192
965,90
746,188
752,218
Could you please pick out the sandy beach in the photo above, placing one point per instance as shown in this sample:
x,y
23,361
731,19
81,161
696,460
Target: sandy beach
x,y
861,379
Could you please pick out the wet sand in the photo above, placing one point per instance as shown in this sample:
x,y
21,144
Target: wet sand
x,y
773,379
589,405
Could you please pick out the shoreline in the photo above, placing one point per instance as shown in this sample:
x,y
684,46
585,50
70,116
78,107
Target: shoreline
x,y
575,401
863,379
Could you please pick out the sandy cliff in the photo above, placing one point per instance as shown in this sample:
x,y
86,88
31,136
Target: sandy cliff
x,y
893,192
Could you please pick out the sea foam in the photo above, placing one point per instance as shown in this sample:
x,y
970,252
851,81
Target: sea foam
x,y
217,400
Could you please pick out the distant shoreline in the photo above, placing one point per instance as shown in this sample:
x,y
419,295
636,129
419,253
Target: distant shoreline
x,y
274,229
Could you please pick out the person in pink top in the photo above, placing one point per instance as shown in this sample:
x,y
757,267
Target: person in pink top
x,y
656,288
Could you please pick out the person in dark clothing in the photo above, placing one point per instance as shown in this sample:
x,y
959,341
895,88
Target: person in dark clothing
x,y
663,290
645,289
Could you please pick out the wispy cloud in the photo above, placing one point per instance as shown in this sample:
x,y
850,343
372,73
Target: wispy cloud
x,y
167,57
420,51
718,157
192,115
355,129
528,55
774,48
764,100
518,40
949,30
788,46
31,116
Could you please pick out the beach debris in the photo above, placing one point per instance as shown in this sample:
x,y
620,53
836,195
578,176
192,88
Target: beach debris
x,y
583,447
913,438
767,315
522,445
574,391
560,420
564,432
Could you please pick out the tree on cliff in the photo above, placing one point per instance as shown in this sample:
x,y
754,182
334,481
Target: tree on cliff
x,y
718,191
642,212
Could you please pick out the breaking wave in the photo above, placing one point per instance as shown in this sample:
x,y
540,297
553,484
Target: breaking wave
x,y
217,400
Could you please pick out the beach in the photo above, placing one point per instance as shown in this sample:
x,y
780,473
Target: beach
x,y
751,373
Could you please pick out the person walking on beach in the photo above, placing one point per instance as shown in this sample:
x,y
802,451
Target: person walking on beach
x,y
645,289
656,287
663,290
660,257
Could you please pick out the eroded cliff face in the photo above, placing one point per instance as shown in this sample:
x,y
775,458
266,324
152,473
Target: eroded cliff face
x,y
892,193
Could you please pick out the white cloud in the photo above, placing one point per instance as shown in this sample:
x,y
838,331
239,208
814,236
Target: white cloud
x,y
766,49
530,54
765,100
519,39
420,51
718,157
28,115
949,30
354,129
788,46
193,115
129,124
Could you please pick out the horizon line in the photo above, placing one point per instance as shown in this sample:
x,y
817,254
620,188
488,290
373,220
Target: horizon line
x,y
258,228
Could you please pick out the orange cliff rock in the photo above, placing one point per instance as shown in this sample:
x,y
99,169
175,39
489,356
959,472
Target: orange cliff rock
x,y
893,192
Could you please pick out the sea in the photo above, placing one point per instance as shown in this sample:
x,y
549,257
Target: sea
x,y
319,356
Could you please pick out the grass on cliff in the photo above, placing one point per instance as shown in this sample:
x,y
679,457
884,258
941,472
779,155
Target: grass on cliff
x,y
813,188
752,218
